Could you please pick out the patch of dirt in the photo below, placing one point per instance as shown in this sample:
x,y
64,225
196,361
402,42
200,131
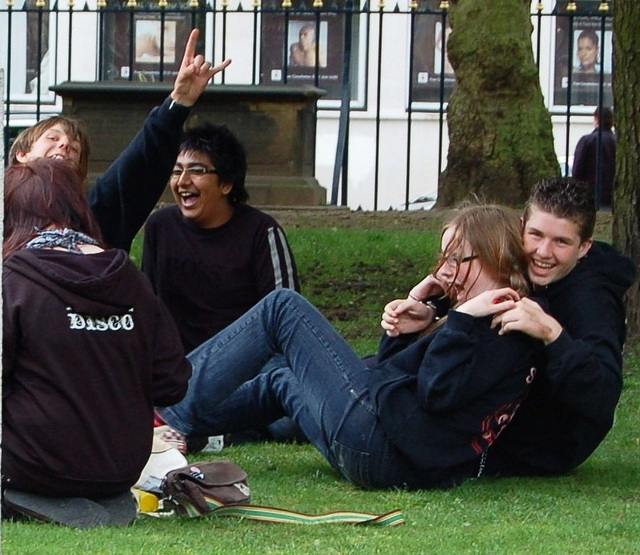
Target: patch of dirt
x,y
344,218
329,217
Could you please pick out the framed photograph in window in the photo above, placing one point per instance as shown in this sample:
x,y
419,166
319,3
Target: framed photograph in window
x,y
583,55
305,48
144,47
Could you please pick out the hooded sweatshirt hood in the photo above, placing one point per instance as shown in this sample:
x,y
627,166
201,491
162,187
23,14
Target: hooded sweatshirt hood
x,y
97,284
611,269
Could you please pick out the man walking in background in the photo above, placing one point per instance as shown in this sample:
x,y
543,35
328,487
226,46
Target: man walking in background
x,y
594,160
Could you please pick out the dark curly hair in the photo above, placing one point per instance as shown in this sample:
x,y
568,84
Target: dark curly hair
x,y
226,153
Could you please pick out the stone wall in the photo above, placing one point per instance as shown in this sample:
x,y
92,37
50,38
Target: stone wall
x,y
276,124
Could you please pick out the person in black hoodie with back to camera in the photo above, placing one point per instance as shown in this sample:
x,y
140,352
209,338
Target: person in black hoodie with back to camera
x,y
88,351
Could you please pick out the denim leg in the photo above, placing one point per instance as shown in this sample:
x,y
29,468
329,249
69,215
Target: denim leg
x,y
359,450
284,429
251,414
220,366
284,323
253,406
331,375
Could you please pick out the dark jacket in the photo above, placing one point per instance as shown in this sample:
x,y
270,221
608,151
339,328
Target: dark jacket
x,y
208,278
125,195
585,163
443,399
572,404
88,351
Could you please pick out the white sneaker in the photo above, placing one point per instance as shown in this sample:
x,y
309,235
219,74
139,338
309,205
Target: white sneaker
x,y
215,444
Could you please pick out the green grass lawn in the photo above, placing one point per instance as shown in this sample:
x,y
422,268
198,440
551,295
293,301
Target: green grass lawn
x,y
350,275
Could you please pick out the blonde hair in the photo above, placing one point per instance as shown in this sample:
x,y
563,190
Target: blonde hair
x,y
495,236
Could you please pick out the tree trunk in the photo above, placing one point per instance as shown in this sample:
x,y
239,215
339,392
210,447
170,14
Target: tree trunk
x,y
626,213
500,134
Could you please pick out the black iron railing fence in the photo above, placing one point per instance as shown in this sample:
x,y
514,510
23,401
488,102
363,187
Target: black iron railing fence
x,y
341,47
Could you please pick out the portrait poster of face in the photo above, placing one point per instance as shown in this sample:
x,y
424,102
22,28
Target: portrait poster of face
x,y
432,73
583,56
148,48
306,50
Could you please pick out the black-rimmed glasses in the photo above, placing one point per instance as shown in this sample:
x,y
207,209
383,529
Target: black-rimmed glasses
x,y
455,260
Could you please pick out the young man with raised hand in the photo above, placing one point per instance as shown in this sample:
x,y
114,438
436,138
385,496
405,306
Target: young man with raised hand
x,y
125,195
572,403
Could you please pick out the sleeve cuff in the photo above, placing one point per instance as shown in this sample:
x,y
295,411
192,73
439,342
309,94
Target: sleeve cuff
x,y
557,348
176,114
175,105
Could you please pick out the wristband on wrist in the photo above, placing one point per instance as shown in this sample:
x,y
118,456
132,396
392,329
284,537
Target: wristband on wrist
x,y
427,303
431,305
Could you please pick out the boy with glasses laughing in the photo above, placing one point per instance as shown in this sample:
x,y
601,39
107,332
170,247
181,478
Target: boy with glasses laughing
x,y
211,257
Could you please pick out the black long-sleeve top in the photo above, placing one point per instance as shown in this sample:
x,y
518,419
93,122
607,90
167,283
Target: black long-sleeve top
x,y
444,398
208,278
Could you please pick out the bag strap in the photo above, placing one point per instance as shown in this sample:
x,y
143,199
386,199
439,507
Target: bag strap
x,y
285,516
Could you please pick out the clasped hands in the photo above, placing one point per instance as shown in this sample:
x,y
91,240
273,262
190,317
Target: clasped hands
x,y
511,312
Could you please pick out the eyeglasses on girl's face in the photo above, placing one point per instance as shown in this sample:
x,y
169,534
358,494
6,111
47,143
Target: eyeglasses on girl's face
x,y
455,260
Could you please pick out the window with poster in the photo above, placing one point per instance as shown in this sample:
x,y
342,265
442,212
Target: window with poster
x,y
299,47
431,70
146,45
583,54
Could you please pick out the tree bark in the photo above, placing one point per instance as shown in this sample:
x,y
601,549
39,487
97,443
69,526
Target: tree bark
x,y
626,94
500,133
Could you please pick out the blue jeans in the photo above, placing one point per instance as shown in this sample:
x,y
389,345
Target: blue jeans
x,y
323,388
281,430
